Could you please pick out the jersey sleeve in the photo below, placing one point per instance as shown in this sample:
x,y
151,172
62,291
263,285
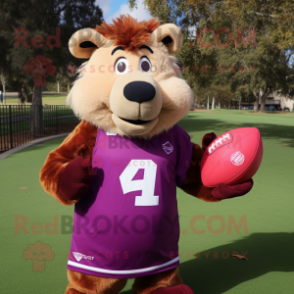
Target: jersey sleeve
x,y
184,148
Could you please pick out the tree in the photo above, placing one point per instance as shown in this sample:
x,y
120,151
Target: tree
x,y
39,47
3,80
270,21
263,35
276,15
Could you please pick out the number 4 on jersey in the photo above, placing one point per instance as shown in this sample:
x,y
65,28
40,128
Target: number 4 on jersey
x,y
146,185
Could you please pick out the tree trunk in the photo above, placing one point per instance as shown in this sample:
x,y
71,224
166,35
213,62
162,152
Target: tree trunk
x,y
37,113
24,96
208,102
4,96
262,102
256,105
230,104
240,102
256,102
262,105
68,87
37,95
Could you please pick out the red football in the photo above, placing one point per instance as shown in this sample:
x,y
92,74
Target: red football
x,y
232,158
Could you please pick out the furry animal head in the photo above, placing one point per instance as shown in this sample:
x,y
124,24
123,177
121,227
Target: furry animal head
x,y
131,84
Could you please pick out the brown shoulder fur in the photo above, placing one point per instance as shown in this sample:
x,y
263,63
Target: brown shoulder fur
x,y
79,143
192,183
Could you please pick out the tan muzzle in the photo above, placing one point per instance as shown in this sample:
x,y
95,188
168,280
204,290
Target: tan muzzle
x,y
136,102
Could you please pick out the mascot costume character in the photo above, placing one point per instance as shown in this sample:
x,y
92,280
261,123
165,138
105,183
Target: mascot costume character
x,y
122,164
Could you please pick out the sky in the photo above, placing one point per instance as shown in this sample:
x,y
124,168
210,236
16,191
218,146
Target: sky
x,y
113,8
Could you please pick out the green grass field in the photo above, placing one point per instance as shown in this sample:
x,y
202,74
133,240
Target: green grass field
x,y
54,116
47,110
47,99
266,236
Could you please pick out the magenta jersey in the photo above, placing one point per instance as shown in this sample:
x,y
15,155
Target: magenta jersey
x,y
127,224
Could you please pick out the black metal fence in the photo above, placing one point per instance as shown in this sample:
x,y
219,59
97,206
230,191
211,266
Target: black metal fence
x,y
20,124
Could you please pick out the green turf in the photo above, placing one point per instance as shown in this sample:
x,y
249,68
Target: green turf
x,y
54,99
47,110
267,211
47,99
55,115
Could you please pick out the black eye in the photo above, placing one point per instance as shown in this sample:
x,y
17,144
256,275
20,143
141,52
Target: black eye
x,y
121,66
145,65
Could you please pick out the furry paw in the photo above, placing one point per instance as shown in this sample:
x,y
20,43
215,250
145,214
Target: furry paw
x,y
223,191
75,179
207,139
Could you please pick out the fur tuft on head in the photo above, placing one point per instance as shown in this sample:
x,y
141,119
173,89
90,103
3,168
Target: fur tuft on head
x,y
128,32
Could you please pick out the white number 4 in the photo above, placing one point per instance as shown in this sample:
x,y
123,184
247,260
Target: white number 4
x,y
146,185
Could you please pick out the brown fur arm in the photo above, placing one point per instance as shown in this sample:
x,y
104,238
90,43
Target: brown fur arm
x,y
192,183
79,143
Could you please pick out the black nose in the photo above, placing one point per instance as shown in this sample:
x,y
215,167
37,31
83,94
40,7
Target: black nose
x,y
139,91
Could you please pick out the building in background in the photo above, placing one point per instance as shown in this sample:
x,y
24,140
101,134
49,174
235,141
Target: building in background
x,y
278,101
274,102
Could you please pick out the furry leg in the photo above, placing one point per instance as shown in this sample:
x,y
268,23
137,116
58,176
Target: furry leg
x,y
147,284
87,284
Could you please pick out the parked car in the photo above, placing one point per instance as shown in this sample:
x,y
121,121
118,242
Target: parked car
x,y
270,108
247,107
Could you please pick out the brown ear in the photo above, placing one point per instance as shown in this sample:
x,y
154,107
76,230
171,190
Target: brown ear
x,y
170,35
84,42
